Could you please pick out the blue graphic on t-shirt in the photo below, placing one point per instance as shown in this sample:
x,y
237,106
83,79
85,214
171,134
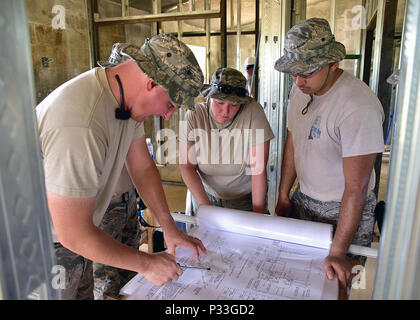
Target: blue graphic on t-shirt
x,y
315,132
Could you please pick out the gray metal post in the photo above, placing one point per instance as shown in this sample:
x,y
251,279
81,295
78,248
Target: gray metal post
x,y
398,271
274,87
26,252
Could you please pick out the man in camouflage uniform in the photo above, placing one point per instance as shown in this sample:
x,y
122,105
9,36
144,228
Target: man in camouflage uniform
x,y
334,135
90,128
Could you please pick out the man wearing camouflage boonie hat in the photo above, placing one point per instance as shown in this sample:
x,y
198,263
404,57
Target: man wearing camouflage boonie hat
x,y
120,219
90,128
226,180
168,62
334,136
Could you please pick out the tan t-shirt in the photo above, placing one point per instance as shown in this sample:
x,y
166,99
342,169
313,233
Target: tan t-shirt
x,y
344,122
83,145
123,185
223,154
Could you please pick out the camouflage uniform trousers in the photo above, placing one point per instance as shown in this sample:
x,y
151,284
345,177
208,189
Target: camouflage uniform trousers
x,y
306,208
122,223
79,274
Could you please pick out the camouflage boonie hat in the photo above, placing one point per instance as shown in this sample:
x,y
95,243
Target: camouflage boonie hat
x,y
168,62
227,84
309,46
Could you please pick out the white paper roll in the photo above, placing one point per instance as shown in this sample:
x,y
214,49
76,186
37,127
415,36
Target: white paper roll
x,y
303,232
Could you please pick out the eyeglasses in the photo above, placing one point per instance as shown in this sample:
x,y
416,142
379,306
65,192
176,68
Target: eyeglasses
x,y
306,75
227,89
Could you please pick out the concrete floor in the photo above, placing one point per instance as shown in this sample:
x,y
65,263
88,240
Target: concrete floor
x,y
175,196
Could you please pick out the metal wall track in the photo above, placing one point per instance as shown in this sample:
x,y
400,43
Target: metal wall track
x,y
26,254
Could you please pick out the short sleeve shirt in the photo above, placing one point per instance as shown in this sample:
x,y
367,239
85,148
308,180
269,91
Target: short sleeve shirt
x,y
224,154
83,145
344,122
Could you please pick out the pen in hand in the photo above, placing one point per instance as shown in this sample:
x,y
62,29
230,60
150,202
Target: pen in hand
x,y
191,267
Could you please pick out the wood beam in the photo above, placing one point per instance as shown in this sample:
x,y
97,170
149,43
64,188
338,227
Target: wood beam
x,y
223,36
125,8
179,22
214,33
157,9
175,16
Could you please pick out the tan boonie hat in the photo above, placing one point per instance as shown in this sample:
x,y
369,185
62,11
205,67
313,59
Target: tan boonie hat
x,y
249,62
309,46
168,62
227,84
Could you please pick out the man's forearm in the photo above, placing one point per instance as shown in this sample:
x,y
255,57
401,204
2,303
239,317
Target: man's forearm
x,y
351,209
72,221
357,171
98,246
149,187
146,178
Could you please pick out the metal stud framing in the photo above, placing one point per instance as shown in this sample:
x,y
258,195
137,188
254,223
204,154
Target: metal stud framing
x,y
26,252
398,271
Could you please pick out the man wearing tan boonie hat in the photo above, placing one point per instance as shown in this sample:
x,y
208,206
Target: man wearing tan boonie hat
x,y
91,130
334,135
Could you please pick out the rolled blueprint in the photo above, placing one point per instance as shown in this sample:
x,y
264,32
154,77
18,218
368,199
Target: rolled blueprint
x,y
309,233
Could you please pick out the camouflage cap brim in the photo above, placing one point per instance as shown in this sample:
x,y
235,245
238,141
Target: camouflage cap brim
x,y
212,92
292,65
